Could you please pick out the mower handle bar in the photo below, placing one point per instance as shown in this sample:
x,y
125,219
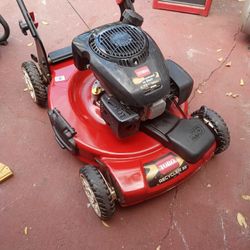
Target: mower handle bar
x,y
28,24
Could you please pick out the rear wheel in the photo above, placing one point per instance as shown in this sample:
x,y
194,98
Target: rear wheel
x,y
98,192
34,83
217,125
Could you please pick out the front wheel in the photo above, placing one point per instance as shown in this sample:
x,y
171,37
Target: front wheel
x,y
98,192
217,125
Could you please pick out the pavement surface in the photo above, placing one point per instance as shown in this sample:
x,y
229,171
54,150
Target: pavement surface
x,y
43,205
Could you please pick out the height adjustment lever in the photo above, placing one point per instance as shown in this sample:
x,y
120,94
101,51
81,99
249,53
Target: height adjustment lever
x,y
23,27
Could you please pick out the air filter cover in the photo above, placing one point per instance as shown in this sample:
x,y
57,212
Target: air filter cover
x,y
120,43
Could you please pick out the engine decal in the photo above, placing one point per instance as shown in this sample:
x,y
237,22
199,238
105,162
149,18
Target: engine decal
x,y
164,169
148,83
142,71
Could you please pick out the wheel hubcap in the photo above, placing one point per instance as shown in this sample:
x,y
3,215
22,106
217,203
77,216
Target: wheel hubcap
x,y
29,85
90,194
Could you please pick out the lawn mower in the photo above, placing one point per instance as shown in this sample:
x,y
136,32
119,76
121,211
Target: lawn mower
x,y
121,108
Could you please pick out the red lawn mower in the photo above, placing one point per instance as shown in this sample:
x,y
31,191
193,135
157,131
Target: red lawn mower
x,y
121,108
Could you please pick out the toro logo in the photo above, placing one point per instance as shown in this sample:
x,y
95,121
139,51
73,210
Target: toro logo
x,y
143,71
167,164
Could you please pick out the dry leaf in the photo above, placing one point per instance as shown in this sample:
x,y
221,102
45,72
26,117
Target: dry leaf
x,y
241,220
25,230
30,44
158,248
219,50
229,94
229,64
245,197
220,59
199,91
209,185
242,82
235,95
105,224
45,22
26,89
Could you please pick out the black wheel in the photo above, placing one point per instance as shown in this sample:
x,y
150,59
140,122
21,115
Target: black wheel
x,y
98,192
4,31
34,82
217,125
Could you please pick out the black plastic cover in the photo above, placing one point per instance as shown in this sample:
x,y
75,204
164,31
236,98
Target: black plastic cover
x,y
60,55
189,138
137,83
132,17
123,121
182,80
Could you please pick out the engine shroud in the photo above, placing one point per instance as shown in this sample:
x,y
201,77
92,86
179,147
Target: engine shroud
x,y
126,61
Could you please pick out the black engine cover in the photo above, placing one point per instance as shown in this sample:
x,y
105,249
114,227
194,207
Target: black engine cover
x,y
126,60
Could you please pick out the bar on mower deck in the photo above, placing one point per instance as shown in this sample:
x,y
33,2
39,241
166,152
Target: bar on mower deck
x,y
60,55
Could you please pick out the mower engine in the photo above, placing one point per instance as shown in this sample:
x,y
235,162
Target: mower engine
x,y
131,70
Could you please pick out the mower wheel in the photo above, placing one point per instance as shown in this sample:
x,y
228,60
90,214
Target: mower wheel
x,y
34,82
98,192
217,125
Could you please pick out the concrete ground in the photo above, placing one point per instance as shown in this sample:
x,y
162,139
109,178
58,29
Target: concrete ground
x,y
43,205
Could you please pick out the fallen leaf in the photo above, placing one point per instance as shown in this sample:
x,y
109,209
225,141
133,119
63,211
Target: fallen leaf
x,y
105,224
158,248
242,82
25,230
229,94
235,95
88,205
30,44
199,91
209,185
229,64
26,89
241,220
45,22
219,50
245,197
5,172
220,59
